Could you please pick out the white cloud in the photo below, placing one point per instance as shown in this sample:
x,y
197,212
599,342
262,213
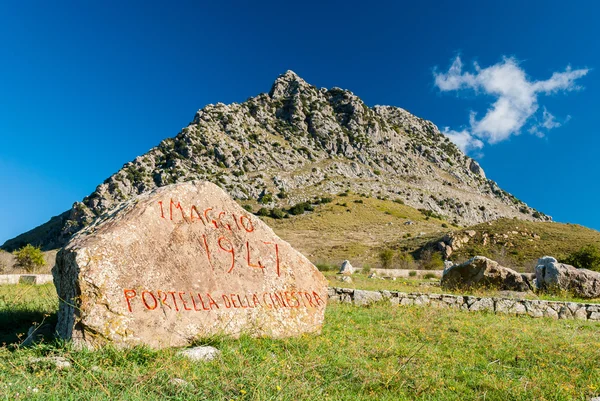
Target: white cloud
x,y
548,122
516,97
463,139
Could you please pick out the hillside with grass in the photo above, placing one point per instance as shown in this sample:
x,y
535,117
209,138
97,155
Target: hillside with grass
x,y
363,229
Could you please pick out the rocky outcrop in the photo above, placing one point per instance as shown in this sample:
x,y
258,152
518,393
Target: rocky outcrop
x,y
181,262
481,272
303,141
554,276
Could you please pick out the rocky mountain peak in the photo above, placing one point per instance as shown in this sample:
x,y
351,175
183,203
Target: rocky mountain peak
x,y
296,143
287,85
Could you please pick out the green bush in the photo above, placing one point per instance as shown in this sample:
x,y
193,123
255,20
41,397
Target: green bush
x,y
587,257
326,200
405,260
412,273
263,211
248,208
277,213
386,257
300,208
431,260
324,267
428,276
266,198
366,269
29,258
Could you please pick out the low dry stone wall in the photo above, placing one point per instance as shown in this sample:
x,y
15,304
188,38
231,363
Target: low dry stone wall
x,y
35,279
533,308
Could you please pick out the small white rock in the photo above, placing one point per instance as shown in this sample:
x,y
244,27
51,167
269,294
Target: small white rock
x,y
176,381
58,361
203,353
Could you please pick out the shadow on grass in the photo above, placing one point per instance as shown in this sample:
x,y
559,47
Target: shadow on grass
x,y
23,306
14,326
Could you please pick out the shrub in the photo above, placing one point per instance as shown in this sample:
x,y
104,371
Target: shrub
x,y
359,201
324,267
587,257
263,211
277,213
405,260
326,200
248,208
386,257
428,276
431,260
399,201
300,208
282,194
266,198
412,273
29,258
377,172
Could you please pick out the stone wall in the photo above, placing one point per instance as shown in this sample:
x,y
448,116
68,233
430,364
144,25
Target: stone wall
x,y
36,279
533,308
405,273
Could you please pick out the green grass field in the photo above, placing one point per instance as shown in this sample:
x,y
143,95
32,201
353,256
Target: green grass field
x,y
383,353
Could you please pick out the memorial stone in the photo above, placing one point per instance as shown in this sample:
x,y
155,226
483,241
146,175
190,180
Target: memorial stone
x,y
181,262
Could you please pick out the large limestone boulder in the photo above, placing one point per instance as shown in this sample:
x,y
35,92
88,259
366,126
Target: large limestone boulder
x,y
346,268
551,275
180,262
483,272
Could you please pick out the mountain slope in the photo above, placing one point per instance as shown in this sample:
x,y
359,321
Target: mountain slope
x,y
298,142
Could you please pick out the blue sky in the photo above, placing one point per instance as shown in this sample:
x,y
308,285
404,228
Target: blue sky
x,y
86,87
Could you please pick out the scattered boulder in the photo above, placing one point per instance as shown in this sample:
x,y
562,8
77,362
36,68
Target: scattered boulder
x,y
180,262
346,268
345,279
552,275
203,353
483,272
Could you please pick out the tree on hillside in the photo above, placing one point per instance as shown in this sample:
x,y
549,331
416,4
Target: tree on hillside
x,y
29,258
386,256
587,257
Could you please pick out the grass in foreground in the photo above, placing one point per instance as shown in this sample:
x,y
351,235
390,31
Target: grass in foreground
x,y
22,305
383,353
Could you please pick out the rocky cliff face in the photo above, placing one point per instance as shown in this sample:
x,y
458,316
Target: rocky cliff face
x,y
297,142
